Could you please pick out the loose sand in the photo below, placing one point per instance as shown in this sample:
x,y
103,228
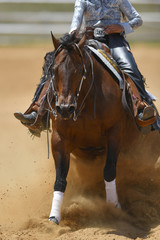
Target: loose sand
x,y
27,176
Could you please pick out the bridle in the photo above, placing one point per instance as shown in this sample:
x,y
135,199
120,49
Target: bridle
x,y
52,83
84,71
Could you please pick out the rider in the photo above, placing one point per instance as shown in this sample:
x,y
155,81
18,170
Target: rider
x,y
118,18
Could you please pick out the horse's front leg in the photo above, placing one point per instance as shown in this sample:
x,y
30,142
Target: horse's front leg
x,y
61,158
110,173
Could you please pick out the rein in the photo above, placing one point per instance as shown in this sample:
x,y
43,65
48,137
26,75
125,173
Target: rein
x,y
84,70
82,104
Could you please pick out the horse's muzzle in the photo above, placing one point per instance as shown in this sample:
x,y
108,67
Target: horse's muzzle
x,y
65,110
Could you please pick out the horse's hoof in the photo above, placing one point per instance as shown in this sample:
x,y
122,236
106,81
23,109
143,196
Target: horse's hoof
x,y
53,219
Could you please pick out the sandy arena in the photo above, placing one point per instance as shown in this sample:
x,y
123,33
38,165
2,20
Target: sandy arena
x,y
27,176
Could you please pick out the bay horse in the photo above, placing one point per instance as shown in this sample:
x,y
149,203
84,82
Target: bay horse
x,y
88,115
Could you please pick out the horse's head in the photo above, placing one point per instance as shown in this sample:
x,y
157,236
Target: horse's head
x,y
69,72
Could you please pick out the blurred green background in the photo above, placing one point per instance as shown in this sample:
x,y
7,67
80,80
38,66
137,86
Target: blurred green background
x,y
23,23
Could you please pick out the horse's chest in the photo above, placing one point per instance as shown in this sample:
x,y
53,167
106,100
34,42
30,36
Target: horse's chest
x,y
92,134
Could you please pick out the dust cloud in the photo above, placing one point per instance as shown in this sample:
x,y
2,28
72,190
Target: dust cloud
x,y
27,176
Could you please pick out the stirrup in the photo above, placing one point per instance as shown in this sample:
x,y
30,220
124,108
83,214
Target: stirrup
x,y
147,117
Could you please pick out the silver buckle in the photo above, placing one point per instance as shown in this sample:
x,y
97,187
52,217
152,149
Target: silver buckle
x,y
99,32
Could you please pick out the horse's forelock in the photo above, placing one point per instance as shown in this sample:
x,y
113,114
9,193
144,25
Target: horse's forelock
x,y
68,40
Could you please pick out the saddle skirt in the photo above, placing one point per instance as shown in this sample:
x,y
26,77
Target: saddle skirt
x,y
106,59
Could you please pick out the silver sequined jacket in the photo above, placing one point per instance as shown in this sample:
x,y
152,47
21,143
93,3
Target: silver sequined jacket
x,y
104,12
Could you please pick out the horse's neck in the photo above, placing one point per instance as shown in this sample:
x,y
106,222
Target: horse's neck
x,y
95,72
102,84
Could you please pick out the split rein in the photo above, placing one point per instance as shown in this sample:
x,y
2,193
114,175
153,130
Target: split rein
x,y
51,87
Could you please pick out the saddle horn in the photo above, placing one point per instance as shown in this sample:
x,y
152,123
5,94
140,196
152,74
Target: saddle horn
x,y
56,43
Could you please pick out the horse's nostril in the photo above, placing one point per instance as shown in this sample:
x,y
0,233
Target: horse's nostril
x,y
71,109
58,109
65,110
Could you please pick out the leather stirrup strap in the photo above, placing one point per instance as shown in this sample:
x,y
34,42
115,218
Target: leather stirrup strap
x,y
124,100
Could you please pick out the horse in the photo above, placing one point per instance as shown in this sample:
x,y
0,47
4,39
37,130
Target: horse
x,y
87,116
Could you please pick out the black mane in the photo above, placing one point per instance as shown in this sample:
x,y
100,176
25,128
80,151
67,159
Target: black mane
x,y
68,40
48,61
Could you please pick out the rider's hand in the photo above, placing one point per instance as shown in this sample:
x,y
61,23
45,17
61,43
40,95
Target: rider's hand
x,y
114,28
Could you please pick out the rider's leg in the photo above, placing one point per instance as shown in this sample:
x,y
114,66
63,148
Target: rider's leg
x,y
36,118
30,116
120,51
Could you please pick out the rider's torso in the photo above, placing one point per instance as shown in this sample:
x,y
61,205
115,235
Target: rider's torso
x,y
102,12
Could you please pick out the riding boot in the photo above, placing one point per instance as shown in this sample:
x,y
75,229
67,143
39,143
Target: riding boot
x,y
26,118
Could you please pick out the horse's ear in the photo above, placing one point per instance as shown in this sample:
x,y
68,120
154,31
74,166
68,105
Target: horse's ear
x,y
56,43
82,42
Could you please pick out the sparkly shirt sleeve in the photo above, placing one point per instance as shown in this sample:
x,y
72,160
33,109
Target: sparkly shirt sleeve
x,y
134,19
78,15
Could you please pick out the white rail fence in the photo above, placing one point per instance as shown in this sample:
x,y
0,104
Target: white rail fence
x,y
60,22
41,23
